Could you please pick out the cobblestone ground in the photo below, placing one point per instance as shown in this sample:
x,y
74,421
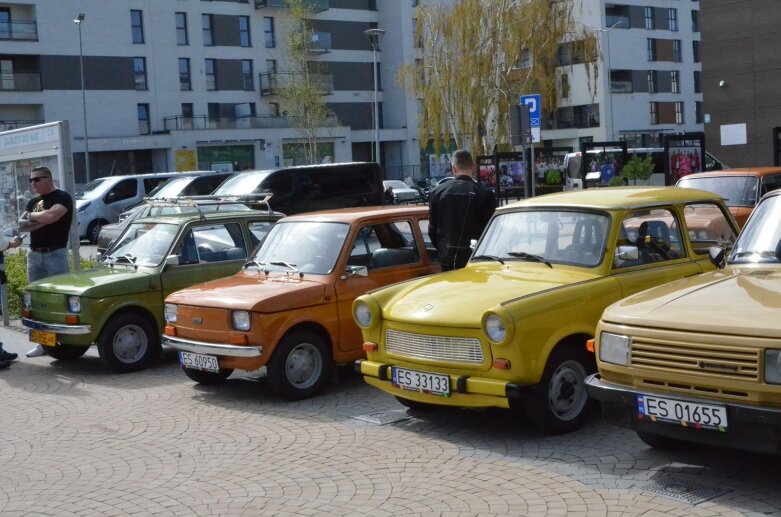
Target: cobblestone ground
x,y
77,440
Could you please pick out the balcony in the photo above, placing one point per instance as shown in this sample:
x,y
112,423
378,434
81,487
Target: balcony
x,y
202,122
272,83
19,31
20,81
315,5
321,43
7,125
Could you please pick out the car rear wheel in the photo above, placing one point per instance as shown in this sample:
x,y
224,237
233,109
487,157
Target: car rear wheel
x,y
300,365
560,403
66,352
128,343
207,378
93,230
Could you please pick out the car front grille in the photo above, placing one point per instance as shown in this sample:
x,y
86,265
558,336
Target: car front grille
x,y
739,363
440,348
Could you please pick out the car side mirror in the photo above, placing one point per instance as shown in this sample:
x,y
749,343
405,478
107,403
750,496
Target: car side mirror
x,y
716,255
351,271
473,244
172,260
627,253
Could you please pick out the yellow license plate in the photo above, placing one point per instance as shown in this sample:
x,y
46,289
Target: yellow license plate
x,y
43,338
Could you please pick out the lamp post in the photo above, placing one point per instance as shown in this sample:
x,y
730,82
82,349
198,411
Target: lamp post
x,y
607,66
77,21
374,38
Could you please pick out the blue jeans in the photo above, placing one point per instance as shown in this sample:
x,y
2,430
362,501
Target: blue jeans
x,y
41,265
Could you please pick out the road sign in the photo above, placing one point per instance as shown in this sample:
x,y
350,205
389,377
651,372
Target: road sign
x,y
535,113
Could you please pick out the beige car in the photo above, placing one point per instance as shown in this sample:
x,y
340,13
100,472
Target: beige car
x,y
699,360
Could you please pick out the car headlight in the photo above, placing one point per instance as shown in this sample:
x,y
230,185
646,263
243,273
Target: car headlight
x,y
170,313
614,348
495,328
773,366
74,304
27,298
362,314
241,320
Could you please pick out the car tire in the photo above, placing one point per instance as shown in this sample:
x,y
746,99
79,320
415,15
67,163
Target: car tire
x,y
128,342
660,442
93,230
560,404
207,378
65,352
300,366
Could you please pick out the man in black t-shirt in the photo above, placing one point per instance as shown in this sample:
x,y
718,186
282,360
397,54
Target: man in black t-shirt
x,y
48,219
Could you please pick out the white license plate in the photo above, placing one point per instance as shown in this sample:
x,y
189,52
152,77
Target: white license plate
x,y
421,381
687,414
193,361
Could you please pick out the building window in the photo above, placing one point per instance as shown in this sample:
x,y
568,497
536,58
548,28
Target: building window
x,y
650,23
675,85
695,21
696,51
677,50
268,32
673,17
654,113
621,81
698,112
211,77
678,112
564,86
185,83
652,81
697,87
208,30
137,26
651,49
143,119
244,36
181,29
187,115
246,72
139,69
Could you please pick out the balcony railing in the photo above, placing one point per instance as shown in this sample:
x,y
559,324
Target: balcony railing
x,y
7,125
321,42
202,122
315,5
20,81
21,31
271,83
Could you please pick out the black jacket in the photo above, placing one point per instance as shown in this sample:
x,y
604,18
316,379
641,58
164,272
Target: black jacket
x,y
459,210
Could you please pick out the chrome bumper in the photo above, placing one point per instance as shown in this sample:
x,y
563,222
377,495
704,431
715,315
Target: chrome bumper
x,y
199,347
57,328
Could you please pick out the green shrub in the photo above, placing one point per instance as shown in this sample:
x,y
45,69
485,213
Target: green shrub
x,y
553,177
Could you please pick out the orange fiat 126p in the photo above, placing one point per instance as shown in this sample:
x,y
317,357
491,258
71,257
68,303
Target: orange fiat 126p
x,y
290,307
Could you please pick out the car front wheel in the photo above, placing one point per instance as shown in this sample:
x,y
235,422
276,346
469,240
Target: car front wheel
x,y
66,352
300,365
128,343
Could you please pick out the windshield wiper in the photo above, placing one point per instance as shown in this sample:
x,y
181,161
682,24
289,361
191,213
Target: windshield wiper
x,y
291,267
488,257
253,262
530,257
128,257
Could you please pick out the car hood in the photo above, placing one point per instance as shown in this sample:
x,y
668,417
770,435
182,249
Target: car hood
x,y
459,298
100,282
737,300
253,291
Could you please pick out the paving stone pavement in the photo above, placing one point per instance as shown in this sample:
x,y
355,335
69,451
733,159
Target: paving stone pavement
x,y
78,440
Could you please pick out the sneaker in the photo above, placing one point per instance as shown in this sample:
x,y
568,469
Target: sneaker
x,y
4,364
35,352
8,356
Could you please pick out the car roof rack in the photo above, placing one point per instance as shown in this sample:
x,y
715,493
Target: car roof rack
x,y
197,202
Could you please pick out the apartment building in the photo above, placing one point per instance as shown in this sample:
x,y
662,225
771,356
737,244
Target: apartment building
x,y
195,84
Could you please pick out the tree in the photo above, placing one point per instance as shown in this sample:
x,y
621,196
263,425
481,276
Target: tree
x,y
303,89
635,169
480,55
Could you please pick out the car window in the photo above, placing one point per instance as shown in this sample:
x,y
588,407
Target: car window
x,y
212,243
656,234
736,190
430,248
258,230
151,183
384,245
760,239
302,246
125,189
707,226
770,182
143,244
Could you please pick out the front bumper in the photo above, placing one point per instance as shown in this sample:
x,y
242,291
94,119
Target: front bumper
x,y
57,328
466,390
218,349
751,428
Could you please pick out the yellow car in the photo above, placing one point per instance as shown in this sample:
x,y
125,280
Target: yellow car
x,y
512,327
699,360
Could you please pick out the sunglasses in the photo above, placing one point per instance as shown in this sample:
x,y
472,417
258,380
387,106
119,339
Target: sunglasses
x,y
36,179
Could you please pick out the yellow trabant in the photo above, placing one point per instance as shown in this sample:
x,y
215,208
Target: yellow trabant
x,y
512,326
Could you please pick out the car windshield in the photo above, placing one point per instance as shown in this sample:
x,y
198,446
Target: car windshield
x,y
553,236
241,183
760,240
93,189
143,244
171,188
303,246
737,190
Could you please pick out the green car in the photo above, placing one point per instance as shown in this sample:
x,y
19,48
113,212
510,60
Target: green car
x,y
118,305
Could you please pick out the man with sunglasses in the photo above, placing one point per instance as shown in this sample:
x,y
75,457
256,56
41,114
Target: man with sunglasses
x,y
48,218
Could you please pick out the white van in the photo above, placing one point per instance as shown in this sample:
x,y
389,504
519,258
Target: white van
x,y
101,200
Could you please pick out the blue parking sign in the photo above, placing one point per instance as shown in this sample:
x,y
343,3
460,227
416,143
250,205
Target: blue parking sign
x,y
535,114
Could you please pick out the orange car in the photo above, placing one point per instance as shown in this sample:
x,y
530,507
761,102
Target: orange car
x,y
290,307
742,188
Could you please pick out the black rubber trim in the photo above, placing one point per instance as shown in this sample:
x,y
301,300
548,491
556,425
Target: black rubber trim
x,y
461,383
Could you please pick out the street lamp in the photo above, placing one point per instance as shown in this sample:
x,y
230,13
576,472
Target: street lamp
x,y
77,21
374,38
607,66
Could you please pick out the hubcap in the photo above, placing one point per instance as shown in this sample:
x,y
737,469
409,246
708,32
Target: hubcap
x,y
130,344
304,366
567,390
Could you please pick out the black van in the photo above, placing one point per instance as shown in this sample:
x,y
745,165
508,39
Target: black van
x,y
307,188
